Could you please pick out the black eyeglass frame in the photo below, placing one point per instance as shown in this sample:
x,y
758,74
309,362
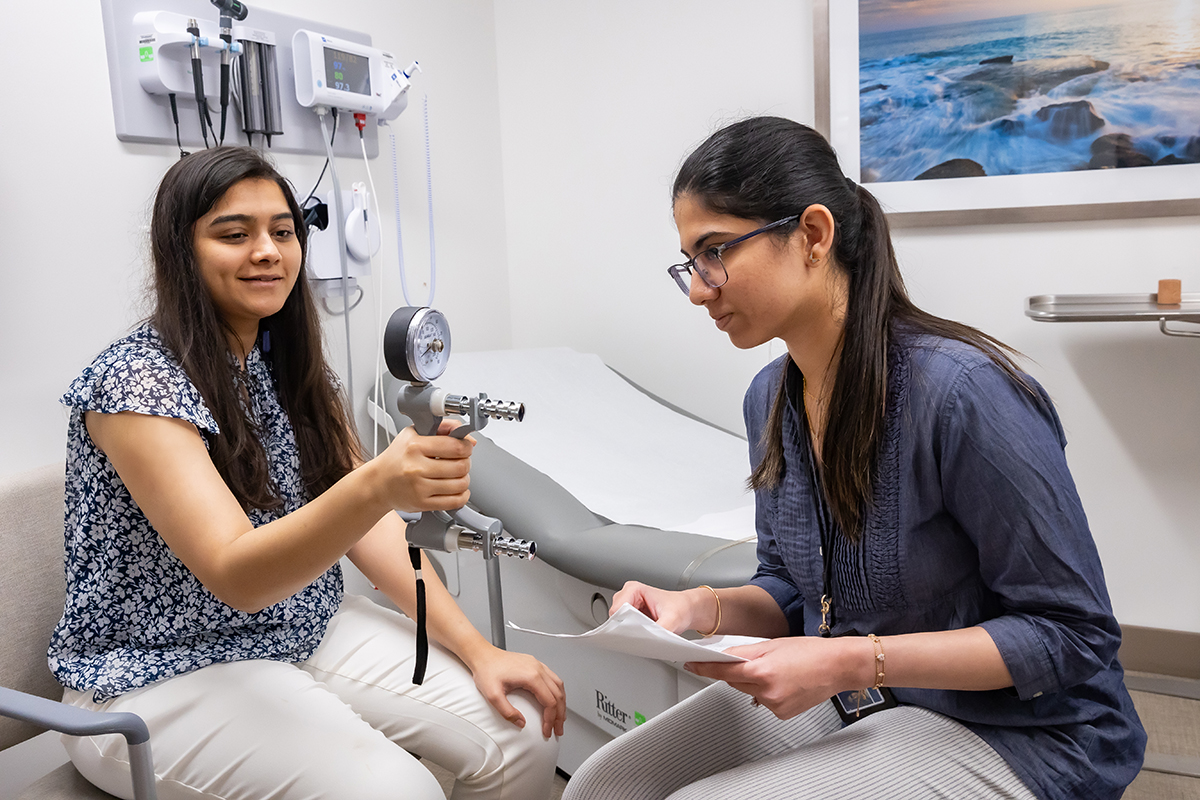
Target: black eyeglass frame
x,y
677,271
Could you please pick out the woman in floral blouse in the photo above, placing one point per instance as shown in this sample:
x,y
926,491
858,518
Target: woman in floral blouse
x,y
213,484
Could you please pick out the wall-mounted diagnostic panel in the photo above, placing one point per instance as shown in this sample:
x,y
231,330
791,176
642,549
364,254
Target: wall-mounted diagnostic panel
x,y
187,67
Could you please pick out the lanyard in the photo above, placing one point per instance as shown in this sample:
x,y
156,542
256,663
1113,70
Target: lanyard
x,y
826,526
853,704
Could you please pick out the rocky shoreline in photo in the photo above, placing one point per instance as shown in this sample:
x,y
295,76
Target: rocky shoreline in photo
x,y
993,91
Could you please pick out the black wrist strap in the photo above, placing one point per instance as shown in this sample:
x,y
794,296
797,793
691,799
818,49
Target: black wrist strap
x,y
414,553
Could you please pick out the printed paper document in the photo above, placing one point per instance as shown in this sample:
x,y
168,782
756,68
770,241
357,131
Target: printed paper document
x,y
632,632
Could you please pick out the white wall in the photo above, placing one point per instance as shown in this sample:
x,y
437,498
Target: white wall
x,y
600,103
74,201
1129,397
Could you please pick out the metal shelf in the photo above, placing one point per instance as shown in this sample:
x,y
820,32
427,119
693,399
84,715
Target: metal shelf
x,y
1115,308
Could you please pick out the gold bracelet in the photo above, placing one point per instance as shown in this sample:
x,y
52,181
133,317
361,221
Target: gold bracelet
x,y
878,659
716,627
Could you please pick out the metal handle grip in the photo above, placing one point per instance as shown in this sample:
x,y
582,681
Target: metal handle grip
x,y
508,410
501,545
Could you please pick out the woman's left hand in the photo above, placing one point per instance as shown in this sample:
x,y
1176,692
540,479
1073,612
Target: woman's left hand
x,y
501,672
792,674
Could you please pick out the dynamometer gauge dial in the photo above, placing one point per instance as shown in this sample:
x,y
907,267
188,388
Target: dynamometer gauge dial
x,y
416,344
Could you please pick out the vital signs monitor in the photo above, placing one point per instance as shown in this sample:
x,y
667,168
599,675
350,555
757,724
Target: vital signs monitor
x,y
349,76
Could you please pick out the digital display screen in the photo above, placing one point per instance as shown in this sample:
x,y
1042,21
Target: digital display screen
x,y
347,72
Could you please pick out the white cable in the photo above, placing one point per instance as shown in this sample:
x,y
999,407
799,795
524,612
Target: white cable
x,y
341,235
333,312
378,382
429,192
429,198
396,201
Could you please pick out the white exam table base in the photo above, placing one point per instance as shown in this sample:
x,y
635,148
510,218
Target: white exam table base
x,y
605,690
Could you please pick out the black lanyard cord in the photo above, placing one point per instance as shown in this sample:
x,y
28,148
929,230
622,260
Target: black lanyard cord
x,y
414,554
825,526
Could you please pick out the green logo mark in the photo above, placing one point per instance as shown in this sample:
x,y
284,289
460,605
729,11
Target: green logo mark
x,y
638,718
146,53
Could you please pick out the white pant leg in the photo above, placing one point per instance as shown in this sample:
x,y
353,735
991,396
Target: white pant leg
x,y
250,730
253,730
366,658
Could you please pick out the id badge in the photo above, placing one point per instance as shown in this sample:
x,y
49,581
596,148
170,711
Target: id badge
x,y
855,704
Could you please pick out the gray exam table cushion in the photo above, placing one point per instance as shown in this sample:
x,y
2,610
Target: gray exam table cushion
x,y
573,540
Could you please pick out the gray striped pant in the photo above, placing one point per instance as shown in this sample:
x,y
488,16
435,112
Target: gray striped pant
x,y
715,746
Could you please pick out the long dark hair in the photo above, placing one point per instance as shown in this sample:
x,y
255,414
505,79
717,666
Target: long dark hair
x,y
767,168
190,325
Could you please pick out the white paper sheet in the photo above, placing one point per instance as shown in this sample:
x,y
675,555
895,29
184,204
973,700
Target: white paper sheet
x,y
632,632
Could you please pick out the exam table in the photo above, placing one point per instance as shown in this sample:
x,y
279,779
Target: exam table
x,y
613,485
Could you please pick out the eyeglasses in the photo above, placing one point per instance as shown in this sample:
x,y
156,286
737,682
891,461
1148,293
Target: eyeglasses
x,y
708,263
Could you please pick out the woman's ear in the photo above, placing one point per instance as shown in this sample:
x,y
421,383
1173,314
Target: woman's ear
x,y
817,225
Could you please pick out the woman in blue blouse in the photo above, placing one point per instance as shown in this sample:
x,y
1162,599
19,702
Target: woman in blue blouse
x,y
924,558
213,484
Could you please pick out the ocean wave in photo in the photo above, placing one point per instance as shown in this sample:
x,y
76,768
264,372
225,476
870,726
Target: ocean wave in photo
x,y
1104,87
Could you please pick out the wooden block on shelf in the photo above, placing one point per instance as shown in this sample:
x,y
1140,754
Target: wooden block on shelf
x,y
1170,292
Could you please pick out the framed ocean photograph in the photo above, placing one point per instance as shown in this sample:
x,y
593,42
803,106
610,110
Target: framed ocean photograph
x,y
1006,110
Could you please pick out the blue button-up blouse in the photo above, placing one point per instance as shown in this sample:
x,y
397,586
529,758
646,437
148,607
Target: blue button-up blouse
x,y
975,520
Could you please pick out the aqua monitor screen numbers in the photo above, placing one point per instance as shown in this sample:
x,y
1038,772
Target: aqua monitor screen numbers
x,y
347,72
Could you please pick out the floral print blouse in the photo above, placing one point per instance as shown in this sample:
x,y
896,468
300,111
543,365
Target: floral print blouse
x,y
134,614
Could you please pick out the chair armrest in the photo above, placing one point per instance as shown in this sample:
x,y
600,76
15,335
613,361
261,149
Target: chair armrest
x,y
69,719
82,722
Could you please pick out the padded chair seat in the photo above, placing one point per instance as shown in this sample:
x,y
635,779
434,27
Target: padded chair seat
x,y
64,783
32,585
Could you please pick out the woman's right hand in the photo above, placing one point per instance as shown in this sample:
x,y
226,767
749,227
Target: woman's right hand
x,y
693,609
425,473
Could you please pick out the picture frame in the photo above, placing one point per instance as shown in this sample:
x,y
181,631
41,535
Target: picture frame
x,y
1094,194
